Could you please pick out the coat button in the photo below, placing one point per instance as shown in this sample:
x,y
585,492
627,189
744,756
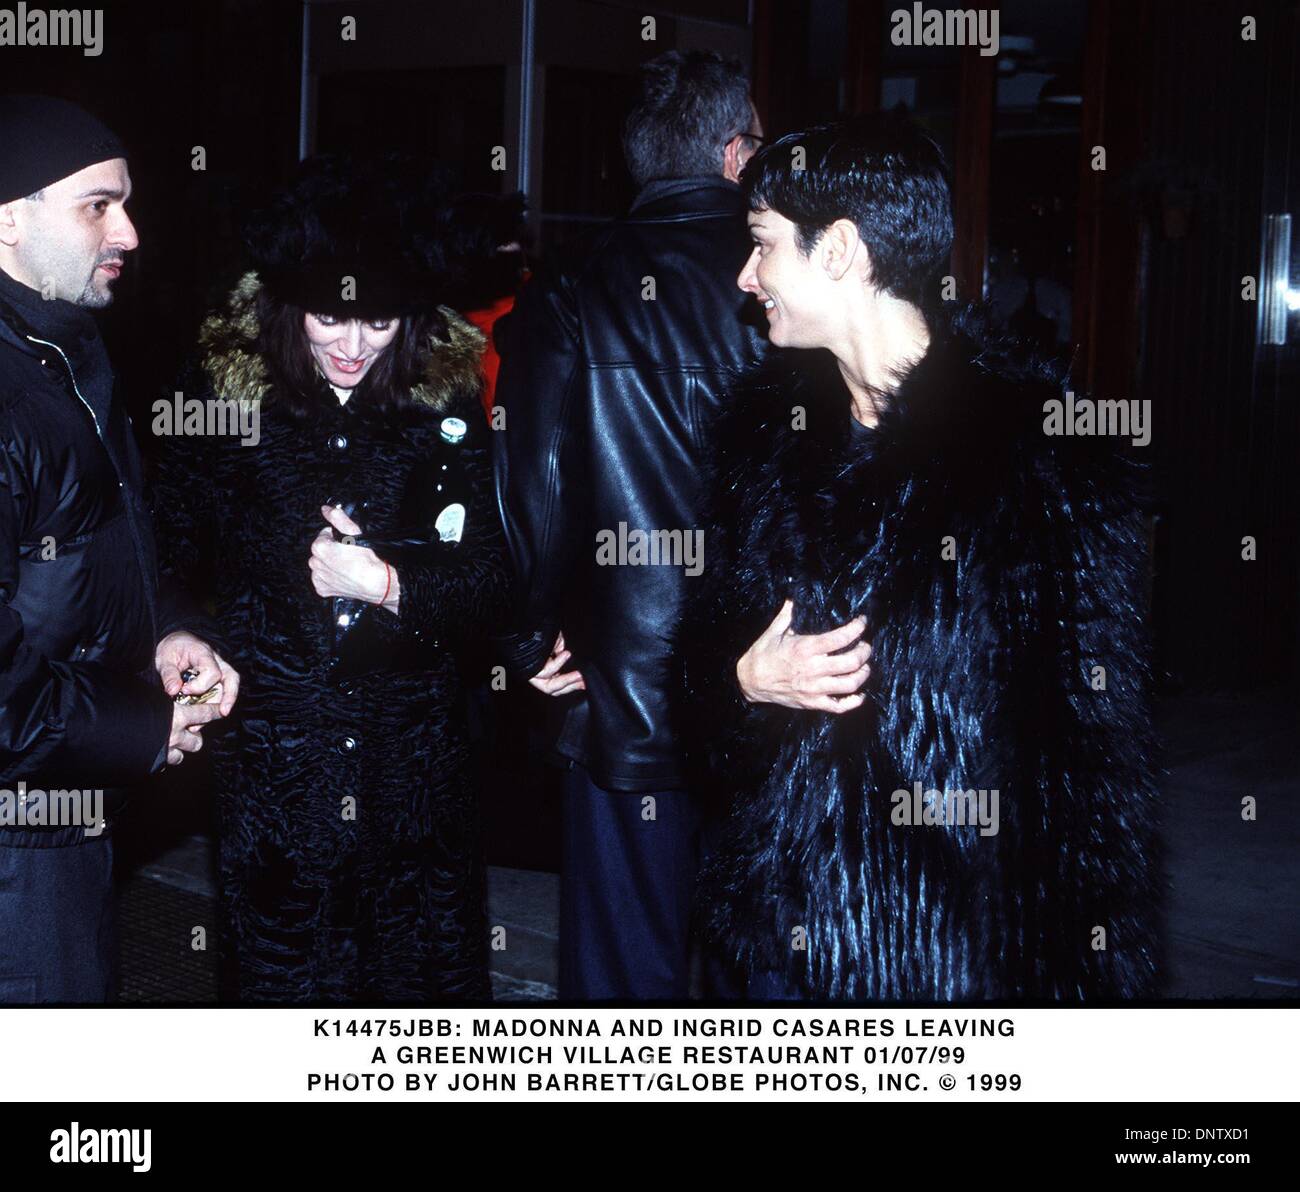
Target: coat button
x,y
347,745
338,442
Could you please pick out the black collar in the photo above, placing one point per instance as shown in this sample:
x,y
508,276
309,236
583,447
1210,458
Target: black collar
x,y
59,322
704,192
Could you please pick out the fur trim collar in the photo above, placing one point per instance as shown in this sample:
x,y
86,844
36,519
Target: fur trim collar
x,y
971,410
229,355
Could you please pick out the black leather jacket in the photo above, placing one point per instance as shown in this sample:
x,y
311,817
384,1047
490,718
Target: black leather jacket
x,y
80,705
611,370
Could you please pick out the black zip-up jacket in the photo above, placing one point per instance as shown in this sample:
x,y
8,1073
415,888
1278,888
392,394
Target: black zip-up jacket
x,y
610,371
80,705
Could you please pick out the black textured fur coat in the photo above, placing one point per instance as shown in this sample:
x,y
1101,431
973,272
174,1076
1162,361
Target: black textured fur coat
x,y
386,903
983,679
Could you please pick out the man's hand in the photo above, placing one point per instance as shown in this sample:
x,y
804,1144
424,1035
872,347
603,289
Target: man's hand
x,y
799,670
550,680
187,721
182,651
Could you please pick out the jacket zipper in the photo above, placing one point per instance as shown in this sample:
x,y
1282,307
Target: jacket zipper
x,y
72,376
149,595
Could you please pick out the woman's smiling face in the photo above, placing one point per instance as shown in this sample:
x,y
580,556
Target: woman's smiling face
x,y
791,287
346,349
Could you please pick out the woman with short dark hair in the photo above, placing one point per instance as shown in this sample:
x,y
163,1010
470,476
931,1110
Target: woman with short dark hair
x,y
915,665
352,547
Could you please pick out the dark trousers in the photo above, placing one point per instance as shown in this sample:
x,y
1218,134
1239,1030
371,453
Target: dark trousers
x,y
625,892
57,924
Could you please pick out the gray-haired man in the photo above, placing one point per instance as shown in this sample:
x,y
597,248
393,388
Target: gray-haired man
x,y
610,372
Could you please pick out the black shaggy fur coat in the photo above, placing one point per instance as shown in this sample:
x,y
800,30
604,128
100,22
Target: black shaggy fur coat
x,y
326,900
997,567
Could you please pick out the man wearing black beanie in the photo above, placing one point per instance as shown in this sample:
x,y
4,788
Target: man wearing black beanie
x,y
91,654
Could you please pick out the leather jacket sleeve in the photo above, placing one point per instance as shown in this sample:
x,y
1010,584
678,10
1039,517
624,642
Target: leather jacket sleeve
x,y
539,459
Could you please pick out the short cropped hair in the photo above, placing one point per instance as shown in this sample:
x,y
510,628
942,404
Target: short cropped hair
x,y
883,174
688,107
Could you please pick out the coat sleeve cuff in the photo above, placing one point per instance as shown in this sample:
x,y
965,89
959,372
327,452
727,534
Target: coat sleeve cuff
x,y
121,731
524,654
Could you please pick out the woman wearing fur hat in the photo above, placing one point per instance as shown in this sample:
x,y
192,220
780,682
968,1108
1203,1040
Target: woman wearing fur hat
x,y
915,660
350,855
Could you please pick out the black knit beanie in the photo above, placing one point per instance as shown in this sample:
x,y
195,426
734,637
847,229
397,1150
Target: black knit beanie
x,y
43,140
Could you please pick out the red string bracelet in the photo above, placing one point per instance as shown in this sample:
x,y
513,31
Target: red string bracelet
x,y
388,587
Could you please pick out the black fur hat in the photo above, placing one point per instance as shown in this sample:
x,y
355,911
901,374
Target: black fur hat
x,y
359,238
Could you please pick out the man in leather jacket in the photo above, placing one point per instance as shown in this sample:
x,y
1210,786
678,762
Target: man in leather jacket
x,y
90,656
611,370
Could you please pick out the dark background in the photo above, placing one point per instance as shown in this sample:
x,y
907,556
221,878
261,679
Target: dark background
x,y
1134,272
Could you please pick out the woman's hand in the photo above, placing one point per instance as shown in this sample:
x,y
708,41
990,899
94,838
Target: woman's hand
x,y
798,670
551,680
350,571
